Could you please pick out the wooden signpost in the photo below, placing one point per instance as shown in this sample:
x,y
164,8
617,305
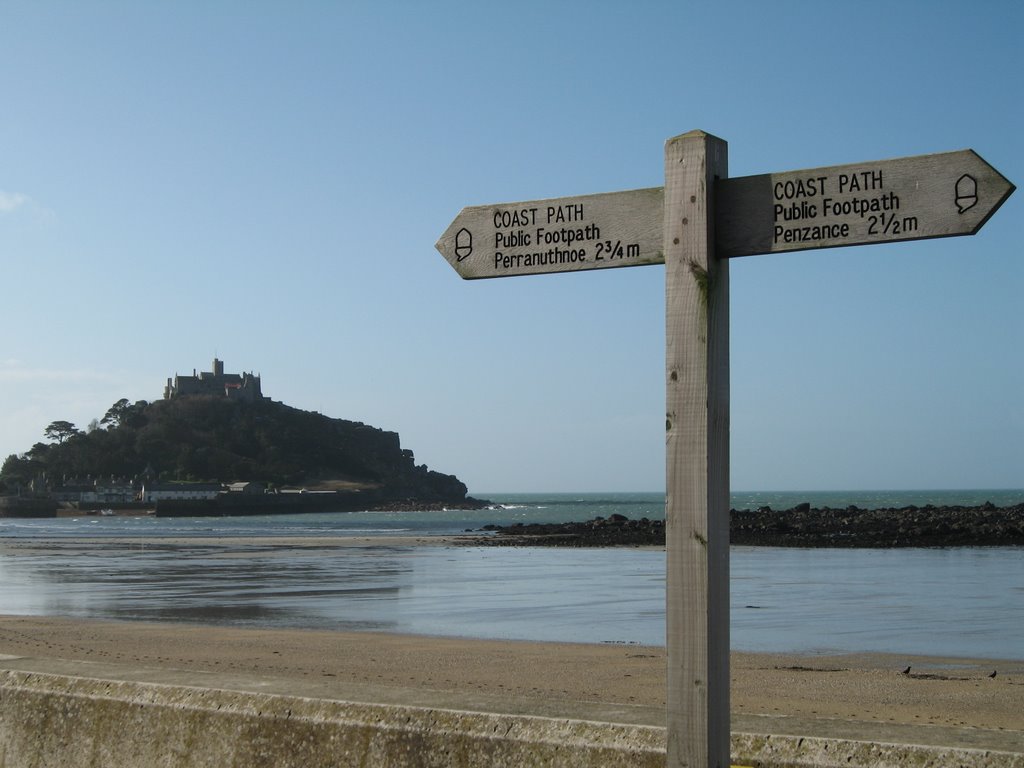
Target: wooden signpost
x,y
616,229
693,225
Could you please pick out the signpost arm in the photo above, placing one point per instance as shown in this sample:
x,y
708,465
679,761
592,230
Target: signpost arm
x,y
697,457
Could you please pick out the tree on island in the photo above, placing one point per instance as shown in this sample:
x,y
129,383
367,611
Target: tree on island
x,y
115,413
61,431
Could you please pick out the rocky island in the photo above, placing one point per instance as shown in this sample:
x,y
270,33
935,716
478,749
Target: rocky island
x,y
215,445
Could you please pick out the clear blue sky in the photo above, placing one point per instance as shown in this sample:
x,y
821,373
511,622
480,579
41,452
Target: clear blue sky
x,y
265,182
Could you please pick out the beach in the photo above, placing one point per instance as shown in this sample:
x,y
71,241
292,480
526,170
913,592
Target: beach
x,y
941,701
396,609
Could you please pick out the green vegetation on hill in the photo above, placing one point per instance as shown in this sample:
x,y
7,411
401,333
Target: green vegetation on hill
x,y
215,438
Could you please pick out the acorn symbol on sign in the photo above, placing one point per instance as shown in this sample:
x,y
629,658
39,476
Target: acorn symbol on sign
x,y
966,193
463,243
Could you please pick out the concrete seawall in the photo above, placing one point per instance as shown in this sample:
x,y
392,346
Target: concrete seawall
x,y
72,721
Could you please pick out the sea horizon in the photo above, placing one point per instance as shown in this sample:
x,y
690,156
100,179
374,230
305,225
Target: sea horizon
x,y
893,496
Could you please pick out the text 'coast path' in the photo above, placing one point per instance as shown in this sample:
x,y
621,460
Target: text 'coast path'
x,y
910,198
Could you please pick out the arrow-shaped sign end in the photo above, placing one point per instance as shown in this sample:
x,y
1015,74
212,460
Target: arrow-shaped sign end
x,y
998,187
456,244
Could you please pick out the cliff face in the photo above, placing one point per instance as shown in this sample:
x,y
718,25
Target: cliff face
x,y
215,438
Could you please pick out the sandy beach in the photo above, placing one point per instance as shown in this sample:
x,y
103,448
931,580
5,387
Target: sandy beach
x,y
952,702
873,697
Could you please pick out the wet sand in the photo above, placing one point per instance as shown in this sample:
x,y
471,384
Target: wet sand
x,y
951,702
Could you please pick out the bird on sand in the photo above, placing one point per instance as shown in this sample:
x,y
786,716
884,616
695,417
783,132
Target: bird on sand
x,y
993,673
906,671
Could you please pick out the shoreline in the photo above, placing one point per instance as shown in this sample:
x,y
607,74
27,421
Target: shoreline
x,y
942,700
25,545
799,526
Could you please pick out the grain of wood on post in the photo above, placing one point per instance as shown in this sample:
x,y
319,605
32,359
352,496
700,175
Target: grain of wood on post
x,y
697,457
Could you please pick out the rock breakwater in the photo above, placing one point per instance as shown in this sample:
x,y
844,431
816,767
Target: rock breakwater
x,y
800,526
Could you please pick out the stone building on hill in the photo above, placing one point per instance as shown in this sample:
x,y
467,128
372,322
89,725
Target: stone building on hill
x,y
236,386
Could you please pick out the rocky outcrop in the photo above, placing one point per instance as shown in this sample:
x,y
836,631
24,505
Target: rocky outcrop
x,y
927,526
800,526
612,531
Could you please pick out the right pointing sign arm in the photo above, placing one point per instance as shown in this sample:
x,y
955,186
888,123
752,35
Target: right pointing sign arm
x,y
910,198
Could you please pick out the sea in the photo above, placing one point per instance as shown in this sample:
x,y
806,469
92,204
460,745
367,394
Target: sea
x,y
956,602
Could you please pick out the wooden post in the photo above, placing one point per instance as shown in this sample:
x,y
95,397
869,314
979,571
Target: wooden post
x,y
697,457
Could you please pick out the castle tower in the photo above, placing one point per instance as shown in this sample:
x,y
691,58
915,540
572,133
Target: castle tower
x,y
218,368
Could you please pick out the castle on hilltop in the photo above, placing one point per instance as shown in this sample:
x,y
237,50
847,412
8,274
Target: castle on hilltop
x,y
234,386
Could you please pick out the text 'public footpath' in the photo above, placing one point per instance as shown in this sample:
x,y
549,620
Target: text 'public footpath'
x,y
537,237
844,206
